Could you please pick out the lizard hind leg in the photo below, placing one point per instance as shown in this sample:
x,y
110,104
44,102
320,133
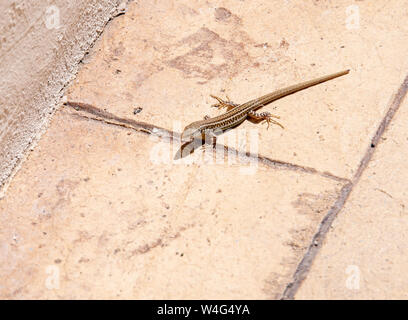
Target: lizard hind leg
x,y
223,103
263,116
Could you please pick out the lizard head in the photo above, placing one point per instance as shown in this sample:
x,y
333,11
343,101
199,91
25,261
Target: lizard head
x,y
191,132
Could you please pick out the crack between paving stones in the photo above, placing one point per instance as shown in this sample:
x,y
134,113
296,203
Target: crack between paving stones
x,y
170,136
116,12
304,266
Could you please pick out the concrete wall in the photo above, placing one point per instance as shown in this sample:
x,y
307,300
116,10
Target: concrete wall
x,y
41,45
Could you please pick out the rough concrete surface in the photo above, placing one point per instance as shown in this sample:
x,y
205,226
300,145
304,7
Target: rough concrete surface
x,y
41,44
102,209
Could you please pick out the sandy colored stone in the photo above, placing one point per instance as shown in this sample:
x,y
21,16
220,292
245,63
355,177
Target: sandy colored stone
x,y
107,212
94,206
365,254
169,57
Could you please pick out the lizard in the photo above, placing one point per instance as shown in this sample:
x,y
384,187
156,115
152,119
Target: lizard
x,y
238,113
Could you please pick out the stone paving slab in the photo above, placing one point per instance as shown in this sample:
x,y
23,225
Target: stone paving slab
x,y
92,209
365,254
168,58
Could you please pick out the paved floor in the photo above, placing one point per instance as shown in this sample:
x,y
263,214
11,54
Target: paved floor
x,y
102,209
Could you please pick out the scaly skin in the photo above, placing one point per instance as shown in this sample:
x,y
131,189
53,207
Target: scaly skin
x,y
240,113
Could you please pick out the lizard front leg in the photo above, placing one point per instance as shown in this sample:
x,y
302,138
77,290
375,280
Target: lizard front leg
x,y
263,116
223,103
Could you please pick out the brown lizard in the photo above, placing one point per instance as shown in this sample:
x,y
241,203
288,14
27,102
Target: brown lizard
x,y
236,114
